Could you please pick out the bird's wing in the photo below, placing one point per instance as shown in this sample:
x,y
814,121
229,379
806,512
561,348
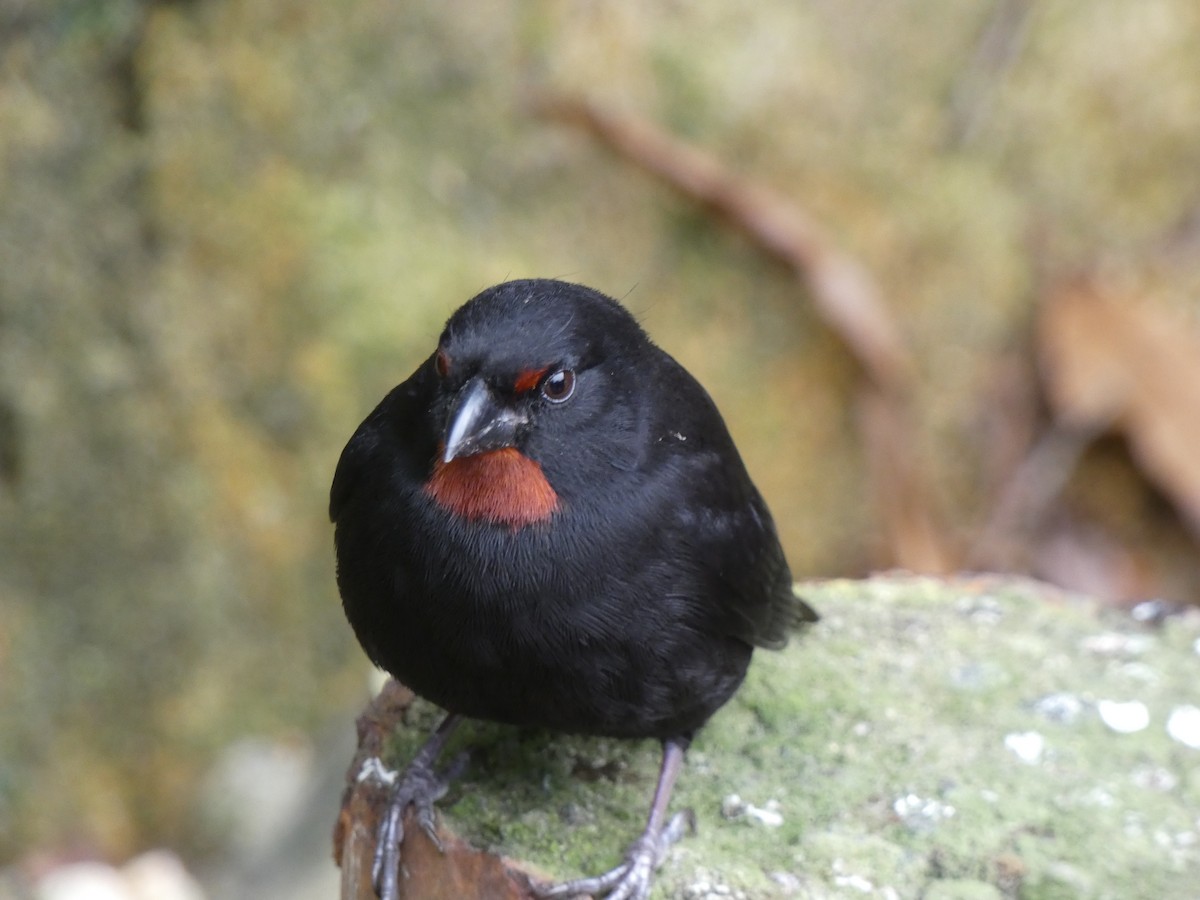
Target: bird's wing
x,y
745,579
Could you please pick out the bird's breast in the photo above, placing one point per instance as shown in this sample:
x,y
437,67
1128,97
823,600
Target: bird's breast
x,y
501,486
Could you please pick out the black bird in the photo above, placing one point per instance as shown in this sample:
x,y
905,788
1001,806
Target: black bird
x,y
549,525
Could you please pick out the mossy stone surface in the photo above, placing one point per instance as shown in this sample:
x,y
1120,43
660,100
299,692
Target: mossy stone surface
x,y
886,739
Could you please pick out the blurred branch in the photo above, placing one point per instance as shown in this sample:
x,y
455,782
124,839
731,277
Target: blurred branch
x,y
843,294
1109,357
1024,501
997,49
1181,244
900,486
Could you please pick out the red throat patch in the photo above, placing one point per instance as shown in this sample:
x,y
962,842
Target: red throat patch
x,y
501,486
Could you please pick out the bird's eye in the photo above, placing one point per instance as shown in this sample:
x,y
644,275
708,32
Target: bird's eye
x,y
558,386
441,363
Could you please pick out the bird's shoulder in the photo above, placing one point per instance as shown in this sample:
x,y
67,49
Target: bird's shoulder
x,y
392,446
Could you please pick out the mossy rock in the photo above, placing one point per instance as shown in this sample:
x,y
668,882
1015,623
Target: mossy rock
x,y
928,738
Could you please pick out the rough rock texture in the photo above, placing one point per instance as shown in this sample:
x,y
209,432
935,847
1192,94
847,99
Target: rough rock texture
x,y
978,738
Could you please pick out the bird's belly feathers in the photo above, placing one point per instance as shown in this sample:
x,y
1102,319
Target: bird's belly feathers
x,y
614,655
621,689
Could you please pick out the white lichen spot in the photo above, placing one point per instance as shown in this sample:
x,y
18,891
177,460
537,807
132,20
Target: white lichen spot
x,y
1027,746
706,886
1183,725
1099,796
983,609
768,815
1155,778
1061,707
920,813
788,883
1139,671
1116,643
1124,718
373,769
854,882
734,807
1151,610
851,880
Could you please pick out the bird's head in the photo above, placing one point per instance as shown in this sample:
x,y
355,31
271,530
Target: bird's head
x,y
529,384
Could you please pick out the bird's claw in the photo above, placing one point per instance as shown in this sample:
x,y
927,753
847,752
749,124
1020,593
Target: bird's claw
x,y
419,787
632,878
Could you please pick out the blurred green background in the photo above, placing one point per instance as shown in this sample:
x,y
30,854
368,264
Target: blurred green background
x,y
227,227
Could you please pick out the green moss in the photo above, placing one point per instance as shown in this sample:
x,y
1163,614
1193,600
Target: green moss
x,y
880,738
962,889
228,227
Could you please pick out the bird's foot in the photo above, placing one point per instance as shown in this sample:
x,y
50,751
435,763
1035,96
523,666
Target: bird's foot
x,y
631,879
419,786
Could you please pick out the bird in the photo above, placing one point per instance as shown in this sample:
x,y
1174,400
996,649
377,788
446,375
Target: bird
x,y
548,525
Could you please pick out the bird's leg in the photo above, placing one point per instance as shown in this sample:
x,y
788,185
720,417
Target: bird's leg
x,y
631,879
418,786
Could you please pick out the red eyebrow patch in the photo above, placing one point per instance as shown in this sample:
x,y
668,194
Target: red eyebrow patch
x,y
528,379
503,486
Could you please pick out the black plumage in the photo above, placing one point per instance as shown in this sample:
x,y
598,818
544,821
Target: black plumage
x,y
549,525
